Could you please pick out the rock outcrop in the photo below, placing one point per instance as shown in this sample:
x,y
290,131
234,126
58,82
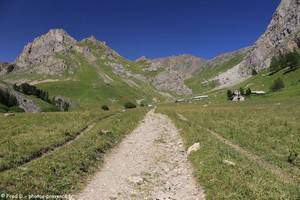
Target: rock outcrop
x,y
25,103
6,68
62,103
22,101
40,55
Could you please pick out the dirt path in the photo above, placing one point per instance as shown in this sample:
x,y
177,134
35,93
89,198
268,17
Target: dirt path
x,y
150,163
48,81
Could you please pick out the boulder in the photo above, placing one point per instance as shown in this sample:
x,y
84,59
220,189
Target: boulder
x,y
6,68
228,162
62,103
9,114
193,148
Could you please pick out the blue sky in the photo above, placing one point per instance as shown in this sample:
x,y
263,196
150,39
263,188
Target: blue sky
x,y
153,28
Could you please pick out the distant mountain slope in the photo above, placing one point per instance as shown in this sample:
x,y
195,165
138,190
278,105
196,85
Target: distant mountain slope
x,y
202,81
169,73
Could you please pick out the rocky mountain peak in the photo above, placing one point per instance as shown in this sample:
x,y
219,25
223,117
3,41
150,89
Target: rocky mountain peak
x,y
47,45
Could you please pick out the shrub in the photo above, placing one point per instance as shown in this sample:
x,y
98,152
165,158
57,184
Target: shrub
x,y
3,108
16,109
28,89
143,104
7,99
277,85
248,92
275,65
105,107
290,60
254,72
229,94
129,105
292,156
242,91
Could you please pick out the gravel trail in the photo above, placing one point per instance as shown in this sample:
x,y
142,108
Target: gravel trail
x,y
150,163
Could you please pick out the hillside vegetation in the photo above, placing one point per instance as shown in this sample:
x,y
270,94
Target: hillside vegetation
x,y
88,90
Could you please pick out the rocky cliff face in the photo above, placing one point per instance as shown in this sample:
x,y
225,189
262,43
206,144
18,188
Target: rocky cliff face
x,y
281,36
40,55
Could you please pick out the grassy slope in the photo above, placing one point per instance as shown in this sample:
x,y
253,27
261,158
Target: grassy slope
x,y
67,169
26,135
88,91
138,67
267,130
263,82
196,82
85,86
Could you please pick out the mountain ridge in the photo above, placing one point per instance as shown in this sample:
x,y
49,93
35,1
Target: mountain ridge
x,y
166,74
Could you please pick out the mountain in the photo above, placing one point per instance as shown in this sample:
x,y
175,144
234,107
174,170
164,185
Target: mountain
x,y
172,71
282,36
88,72
56,61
